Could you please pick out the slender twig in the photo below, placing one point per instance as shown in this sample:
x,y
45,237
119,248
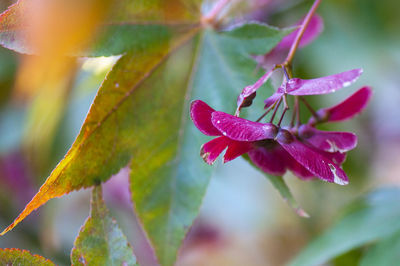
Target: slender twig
x,y
285,108
296,112
300,33
286,73
312,111
275,110
266,112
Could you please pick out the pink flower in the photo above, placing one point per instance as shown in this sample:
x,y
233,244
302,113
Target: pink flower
x,y
307,152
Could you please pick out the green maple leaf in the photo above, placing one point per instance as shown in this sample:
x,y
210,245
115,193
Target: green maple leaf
x,y
13,256
101,241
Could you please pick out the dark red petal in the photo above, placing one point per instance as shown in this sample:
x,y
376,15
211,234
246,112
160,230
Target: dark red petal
x,y
337,157
350,107
298,170
248,92
271,160
322,85
237,148
212,149
200,113
315,27
328,141
240,129
321,166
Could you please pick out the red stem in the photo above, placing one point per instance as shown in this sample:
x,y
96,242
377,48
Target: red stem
x,y
296,112
299,35
312,111
275,110
285,108
266,112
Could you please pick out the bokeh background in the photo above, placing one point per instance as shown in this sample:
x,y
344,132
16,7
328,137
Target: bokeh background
x,y
243,220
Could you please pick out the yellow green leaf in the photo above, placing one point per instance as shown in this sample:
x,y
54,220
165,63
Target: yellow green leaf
x,y
99,150
17,257
101,241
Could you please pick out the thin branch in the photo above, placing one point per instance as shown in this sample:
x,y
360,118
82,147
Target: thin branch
x,y
285,108
312,111
266,112
276,109
296,112
299,35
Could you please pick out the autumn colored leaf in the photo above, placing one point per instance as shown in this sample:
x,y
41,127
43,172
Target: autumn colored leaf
x,y
127,25
157,11
97,136
46,27
17,257
101,241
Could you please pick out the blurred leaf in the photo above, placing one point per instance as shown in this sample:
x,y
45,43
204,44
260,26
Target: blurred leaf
x,y
11,118
384,253
373,218
279,184
118,39
12,256
157,11
8,67
101,241
50,88
46,27
141,114
131,25
254,37
350,258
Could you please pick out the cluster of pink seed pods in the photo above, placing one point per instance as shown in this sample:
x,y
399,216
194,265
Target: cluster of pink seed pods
x,y
299,147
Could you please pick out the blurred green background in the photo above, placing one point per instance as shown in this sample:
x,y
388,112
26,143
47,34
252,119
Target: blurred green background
x,y
243,219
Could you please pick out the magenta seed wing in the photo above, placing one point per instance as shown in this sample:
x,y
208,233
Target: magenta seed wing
x,y
337,157
322,85
200,113
272,161
237,148
240,129
314,29
329,141
248,91
273,98
321,166
212,149
299,170
350,107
